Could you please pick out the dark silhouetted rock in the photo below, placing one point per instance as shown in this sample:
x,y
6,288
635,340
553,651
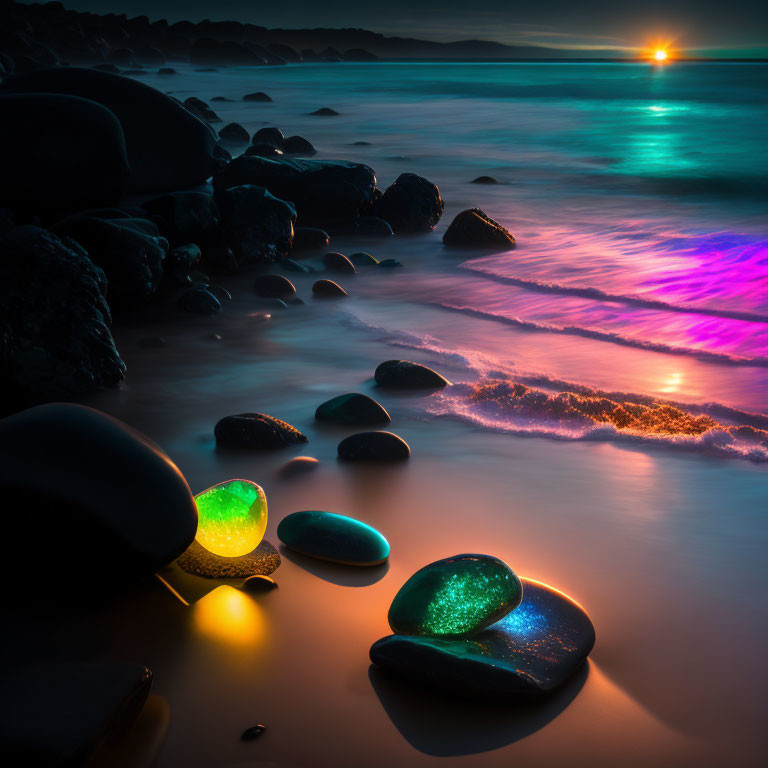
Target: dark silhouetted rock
x,y
255,431
337,538
58,713
168,147
484,180
269,135
95,496
359,54
373,226
60,153
325,192
179,264
403,374
338,262
473,229
255,224
274,287
200,109
299,465
258,96
185,217
249,734
327,289
531,652
221,98
55,342
325,112
167,71
352,408
298,145
262,149
310,239
206,50
294,266
363,259
411,204
390,263
374,446
234,133
130,251
200,301
111,68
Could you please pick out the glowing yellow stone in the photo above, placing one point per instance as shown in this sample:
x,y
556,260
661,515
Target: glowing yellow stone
x,y
660,55
232,517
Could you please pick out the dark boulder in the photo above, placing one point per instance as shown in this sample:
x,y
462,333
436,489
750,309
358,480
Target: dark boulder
x,y
338,262
55,342
274,287
128,251
390,263
310,239
325,112
403,374
111,68
269,135
328,289
298,145
473,229
325,192
373,446
263,149
294,266
59,713
259,96
255,224
60,153
200,301
95,496
373,226
234,133
411,204
363,259
200,109
167,71
179,264
484,180
255,431
185,217
168,147
352,408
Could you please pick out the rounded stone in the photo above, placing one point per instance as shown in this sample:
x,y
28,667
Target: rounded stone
x,y
328,289
473,228
403,374
298,465
232,517
390,263
484,180
328,536
363,259
274,287
531,652
455,597
352,408
258,584
255,431
338,262
374,446
87,496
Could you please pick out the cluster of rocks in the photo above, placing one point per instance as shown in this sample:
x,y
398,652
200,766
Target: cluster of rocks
x,y
469,626
41,35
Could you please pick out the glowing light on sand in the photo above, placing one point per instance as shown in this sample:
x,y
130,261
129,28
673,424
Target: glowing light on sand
x,y
229,616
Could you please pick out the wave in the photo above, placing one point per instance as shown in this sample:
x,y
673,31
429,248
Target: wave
x,y
587,292
720,358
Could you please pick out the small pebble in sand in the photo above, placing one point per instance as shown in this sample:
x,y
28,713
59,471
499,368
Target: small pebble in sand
x,y
259,584
249,734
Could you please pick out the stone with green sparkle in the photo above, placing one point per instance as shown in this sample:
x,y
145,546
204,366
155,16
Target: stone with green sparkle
x,y
232,517
455,597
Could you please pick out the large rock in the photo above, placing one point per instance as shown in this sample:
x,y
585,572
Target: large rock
x,y
474,229
455,597
60,153
328,536
59,713
403,374
90,497
130,251
352,408
255,224
274,287
55,342
326,193
255,431
168,147
529,653
185,217
411,204
373,446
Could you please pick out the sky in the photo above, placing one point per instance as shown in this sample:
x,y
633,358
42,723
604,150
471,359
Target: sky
x,y
705,27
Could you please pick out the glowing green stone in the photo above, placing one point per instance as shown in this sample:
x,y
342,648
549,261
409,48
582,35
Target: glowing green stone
x,y
455,597
232,517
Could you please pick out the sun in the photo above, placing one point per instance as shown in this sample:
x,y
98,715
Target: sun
x,y
660,55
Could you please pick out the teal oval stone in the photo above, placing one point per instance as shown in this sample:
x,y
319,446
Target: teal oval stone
x,y
352,408
337,538
455,597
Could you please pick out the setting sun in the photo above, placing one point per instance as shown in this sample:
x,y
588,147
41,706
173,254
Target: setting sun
x,y
660,55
